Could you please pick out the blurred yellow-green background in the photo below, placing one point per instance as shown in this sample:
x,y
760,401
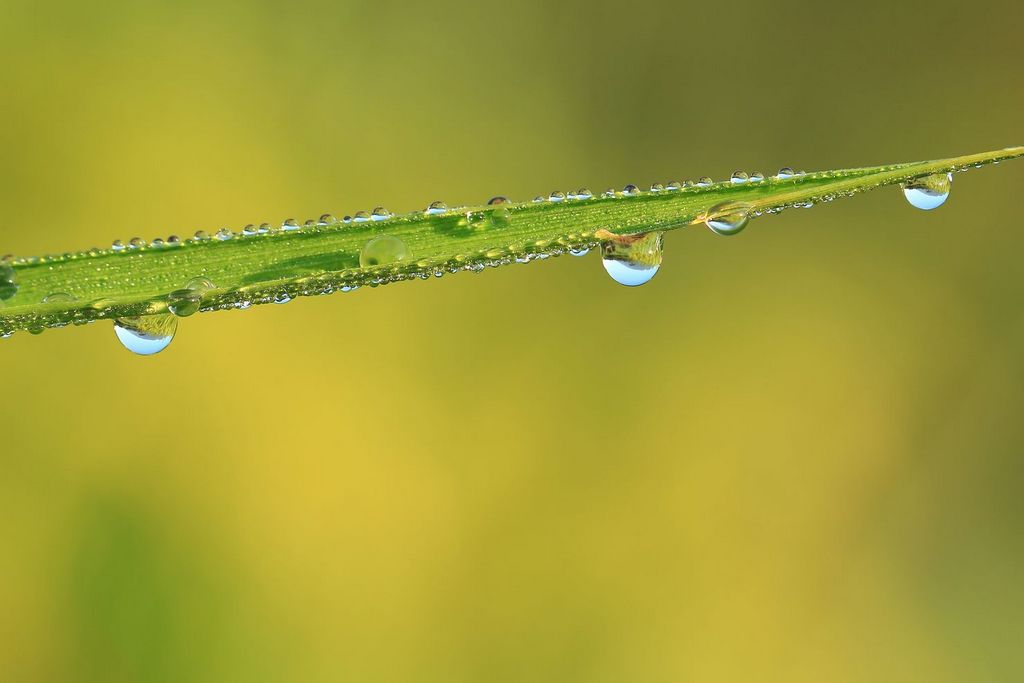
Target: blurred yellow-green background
x,y
795,455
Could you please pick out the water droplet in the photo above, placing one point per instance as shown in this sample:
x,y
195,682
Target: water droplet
x,y
327,219
264,228
584,193
784,173
930,192
674,186
497,200
290,224
632,261
383,250
476,218
538,199
200,236
380,214
582,251
8,282
657,187
136,243
200,284
118,245
58,298
250,229
282,298
556,196
501,217
361,217
146,335
728,218
610,192
739,177
756,177
184,302
224,234
173,241
436,208
309,224
630,189
704,182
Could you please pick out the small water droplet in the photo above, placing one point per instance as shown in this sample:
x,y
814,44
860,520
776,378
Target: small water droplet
x,y
584,193
8,282
630,189
58,298
739,177
497,200
146,335
582,251
224,234
728,218
200,284
784,173
500,217
361,217
674,186
705,182
200,236
538,199
632,261
556,196
309,223
290,224
136,243
173,241
380,214
184,302
756,177
610,192
282,298
265,228
657,187
118,245
383,250
250,229
930,192
327,219
436,208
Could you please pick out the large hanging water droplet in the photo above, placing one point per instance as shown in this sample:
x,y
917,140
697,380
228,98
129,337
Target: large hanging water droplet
x,y
8,282
930,192
383,250
728,218
632,261
148,334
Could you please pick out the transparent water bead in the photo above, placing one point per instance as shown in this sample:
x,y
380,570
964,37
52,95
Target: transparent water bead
x,y
361,217
784,173
380,214
118,245
630,189
634,260
739,177
728,218
8,282
674,186
146,335
584,193
657,187
383,250
705,182
187,301
556,196
756,177
224,234
58,298
930,192
136,243
436,208
497,200
582,251
327,219
290,224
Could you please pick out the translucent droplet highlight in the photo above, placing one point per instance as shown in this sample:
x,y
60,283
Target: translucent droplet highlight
x,y
930,192
728,218
8,282
383,250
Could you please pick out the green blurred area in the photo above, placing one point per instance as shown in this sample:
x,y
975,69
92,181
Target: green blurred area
x,y
794,456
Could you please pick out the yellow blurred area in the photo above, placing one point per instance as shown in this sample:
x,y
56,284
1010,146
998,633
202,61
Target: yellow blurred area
x,y
794,456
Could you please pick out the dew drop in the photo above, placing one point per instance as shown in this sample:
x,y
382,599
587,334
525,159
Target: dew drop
x,y
674,186
630,189
361,217
383,250
8,282
583,251
58,298
633,261
224,234
264,228
930,192
250,229
436,208
118,245
476,218
200,236
728,218
610,192
657,187
282,298
756,177
327,219
380,214
497,200
173,241
584,193
538,199
146,335
290,224
200,284
136,243
704,182
784,173
500,217
556,196
739,177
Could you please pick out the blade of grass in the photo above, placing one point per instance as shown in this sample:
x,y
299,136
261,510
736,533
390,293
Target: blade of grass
x,y
78,288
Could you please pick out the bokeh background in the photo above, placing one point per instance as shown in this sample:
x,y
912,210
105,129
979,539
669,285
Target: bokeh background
x,y
795,455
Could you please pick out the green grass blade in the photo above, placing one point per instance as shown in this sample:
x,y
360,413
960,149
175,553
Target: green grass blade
x,y
99,284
